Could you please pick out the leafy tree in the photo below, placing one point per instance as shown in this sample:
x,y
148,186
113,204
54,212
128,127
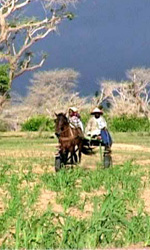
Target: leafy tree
x,y
18,33
4,78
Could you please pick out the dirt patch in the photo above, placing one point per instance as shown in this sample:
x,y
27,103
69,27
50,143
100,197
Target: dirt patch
x,y
120,159
48,198
144,162
37,169
93,193
135,247
3,195
87,212
126,152
91,161
52,145
88,207
120,153
2,205
146,197
130,147
21,153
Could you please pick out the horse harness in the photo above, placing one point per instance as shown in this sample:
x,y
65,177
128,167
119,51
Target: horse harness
x,y
72,137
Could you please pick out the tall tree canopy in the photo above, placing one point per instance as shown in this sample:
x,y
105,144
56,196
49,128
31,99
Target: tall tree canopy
x,y
19,31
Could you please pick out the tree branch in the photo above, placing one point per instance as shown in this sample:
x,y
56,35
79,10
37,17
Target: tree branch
x,y
27,25
26,68
12,7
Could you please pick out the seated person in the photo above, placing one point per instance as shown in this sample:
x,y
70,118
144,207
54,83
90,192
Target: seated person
x,y
97,127
74,119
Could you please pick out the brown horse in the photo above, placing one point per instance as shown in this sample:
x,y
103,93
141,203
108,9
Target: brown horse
x,y
68,138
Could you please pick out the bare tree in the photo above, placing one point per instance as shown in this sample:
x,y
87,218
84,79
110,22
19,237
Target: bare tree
x,y
130,97
140,88
105,93
51,91
18,34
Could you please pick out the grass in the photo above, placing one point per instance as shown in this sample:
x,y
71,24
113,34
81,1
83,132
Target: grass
x,y
83,207
138,138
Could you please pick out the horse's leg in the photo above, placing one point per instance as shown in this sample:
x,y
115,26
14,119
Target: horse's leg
x,y
80,150
72,154
75,155
63,157
79,155
66,156
63,154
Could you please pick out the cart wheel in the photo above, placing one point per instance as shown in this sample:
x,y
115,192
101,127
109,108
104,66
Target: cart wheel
x,y
58,163
107,160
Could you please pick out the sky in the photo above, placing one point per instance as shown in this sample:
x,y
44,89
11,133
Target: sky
x,y
105,39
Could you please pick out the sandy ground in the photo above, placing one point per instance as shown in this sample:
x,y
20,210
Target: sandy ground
x,y
122,152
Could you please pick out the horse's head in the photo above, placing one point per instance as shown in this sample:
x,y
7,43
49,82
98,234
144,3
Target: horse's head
x,y
60,123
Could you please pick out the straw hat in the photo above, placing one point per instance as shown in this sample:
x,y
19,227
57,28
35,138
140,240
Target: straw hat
x,y
74,109
97,110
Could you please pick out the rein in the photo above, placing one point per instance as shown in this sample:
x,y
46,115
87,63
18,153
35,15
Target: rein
x,y
72,137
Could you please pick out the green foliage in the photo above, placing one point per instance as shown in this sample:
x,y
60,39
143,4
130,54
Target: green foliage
x,y
70,16
3,126
4,78
38,123
62,181
23,20
66,184
123,123
85,116
129,124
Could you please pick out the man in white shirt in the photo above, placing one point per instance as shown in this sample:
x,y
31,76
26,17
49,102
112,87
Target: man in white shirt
x,y
96,123
97,126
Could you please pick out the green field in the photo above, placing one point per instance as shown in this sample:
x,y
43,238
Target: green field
x,y
81,207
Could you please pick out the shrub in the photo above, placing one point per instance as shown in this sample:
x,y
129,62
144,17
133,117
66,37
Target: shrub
x,y
3,126
129,124
85,116
122,123
4,78
37,123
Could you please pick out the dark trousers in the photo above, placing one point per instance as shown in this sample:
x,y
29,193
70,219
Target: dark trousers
x,y
106,138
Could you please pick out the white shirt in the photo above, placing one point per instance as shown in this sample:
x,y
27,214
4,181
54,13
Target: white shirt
x,y
95,126
101,122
